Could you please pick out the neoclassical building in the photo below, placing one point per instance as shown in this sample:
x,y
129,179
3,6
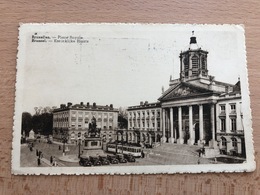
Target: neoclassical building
x,y
144,123
190,109
72,121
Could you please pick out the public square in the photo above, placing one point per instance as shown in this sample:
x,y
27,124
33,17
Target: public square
x,y
165,154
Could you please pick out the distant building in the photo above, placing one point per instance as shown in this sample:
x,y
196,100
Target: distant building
x,y
72,121
144,123
230,128
195,109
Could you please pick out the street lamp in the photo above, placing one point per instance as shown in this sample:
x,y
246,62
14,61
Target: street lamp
x,y
64,141
79,142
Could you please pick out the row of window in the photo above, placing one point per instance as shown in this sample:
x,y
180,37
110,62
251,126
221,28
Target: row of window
x,y
232,108
143,124
233,122
142,113
224,142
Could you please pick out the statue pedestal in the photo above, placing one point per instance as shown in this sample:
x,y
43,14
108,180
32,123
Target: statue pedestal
x,y
93,143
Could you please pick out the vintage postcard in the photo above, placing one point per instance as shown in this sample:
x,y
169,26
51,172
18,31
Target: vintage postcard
x,y
131,99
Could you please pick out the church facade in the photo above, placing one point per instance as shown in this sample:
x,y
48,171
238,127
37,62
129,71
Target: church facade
x,y
196,109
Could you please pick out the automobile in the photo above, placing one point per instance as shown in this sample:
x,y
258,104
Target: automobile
x,y
84,161
121,158
104,160
49,141
129,157
95,160
148,145
112,159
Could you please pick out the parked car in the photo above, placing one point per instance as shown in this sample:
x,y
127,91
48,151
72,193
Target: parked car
x,y
121,158
95,160
148,145
104,160
129,157
84,161
112,159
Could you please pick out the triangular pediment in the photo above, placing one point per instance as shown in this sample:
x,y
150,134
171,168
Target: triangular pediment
x,y
184,90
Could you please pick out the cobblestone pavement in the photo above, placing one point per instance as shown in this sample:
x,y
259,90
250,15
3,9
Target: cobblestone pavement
x,y
164,155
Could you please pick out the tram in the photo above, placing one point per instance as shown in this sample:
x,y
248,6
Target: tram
x,y
124,149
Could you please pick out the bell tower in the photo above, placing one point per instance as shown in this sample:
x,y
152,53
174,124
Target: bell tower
x,y
193,62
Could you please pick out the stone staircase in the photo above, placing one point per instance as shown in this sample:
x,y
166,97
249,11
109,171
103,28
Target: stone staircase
x,y
175,154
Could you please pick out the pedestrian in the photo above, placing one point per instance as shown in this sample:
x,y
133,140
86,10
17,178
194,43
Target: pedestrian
x,y
59,147
51,160
31,149
198,161
199,153
39,161
142,154
55,164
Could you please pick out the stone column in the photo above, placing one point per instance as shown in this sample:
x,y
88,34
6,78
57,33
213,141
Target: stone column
x,y
136,121
150,119
191,140
150,138
145,124
141,121
201,125
171,140
180,140
163,126
161,120
212,117
155,120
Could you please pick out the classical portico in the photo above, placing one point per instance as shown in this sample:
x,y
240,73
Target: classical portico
x,y
189,123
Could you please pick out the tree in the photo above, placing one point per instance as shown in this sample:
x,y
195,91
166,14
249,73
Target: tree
x,y
42,120
26,123
122,118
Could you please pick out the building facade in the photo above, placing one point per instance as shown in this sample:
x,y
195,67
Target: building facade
x,y
229,122
71,122
190,108
144,123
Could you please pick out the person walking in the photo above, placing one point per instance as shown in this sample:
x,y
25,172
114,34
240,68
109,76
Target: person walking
x,y
142,154
51,159
39,161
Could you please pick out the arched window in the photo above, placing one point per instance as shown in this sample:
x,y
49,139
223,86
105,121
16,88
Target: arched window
x,y
195,62
224,141
234,142
195,65
203,63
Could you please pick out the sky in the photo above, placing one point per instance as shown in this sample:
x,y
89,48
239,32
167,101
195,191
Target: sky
x,y
119,64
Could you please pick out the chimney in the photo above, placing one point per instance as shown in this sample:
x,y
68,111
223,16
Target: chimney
x,y
146,102
87,104
141,103
61,105
81,103
94,104
69,104
111,106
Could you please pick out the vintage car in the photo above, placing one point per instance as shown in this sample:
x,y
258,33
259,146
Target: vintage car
x,y
84,161
95,160
121,158
112,159
129,157
104,160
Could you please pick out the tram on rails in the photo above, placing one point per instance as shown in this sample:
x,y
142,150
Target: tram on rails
x,y
136,151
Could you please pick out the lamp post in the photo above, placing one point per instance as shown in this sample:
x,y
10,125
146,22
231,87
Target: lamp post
x,y
79,142
64,140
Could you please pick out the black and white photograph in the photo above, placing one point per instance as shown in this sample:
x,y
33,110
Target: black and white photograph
x,y
117,98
